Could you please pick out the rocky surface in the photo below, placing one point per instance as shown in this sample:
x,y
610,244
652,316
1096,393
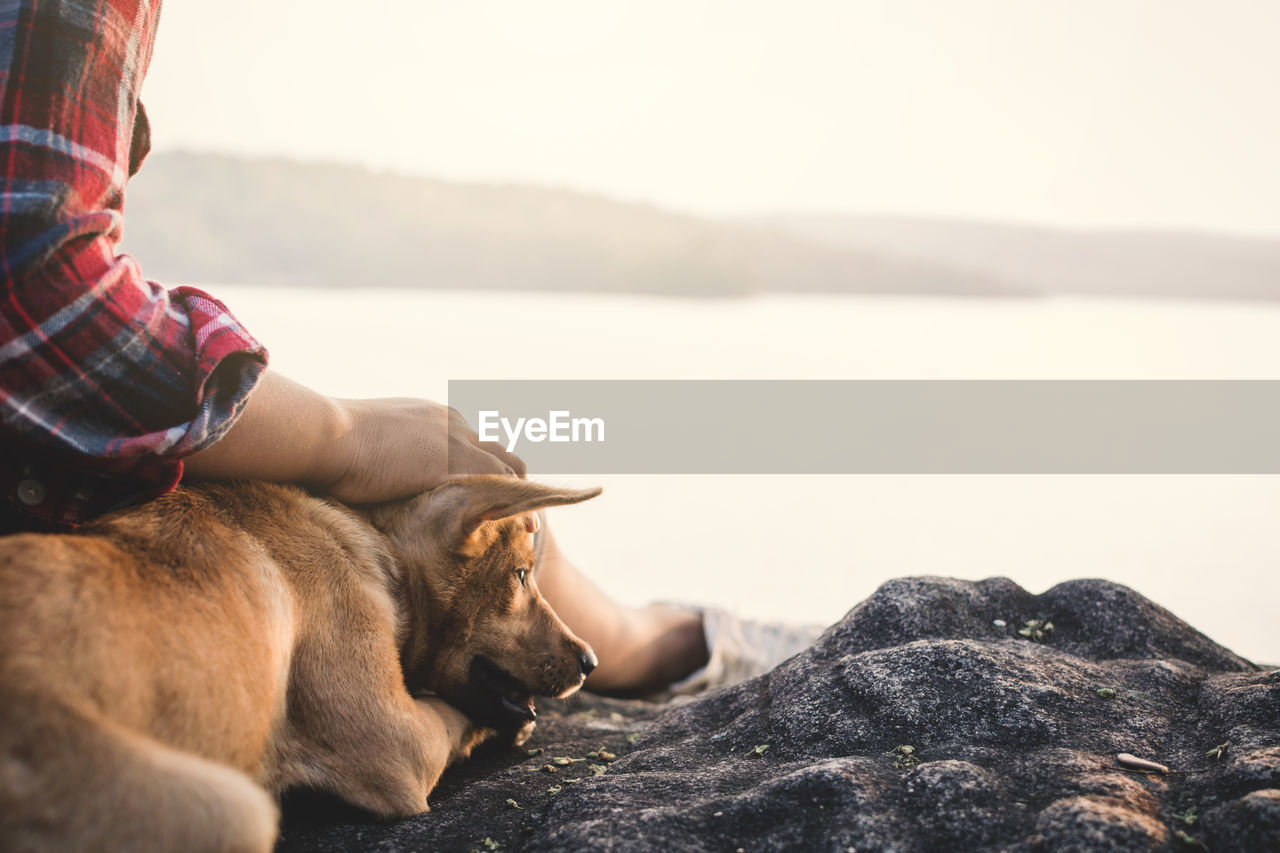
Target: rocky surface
x,y
922,721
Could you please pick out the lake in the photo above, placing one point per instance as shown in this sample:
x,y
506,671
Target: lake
x,y
809,548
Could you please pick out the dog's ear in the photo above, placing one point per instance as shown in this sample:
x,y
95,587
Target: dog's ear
x,y
489,498
452,514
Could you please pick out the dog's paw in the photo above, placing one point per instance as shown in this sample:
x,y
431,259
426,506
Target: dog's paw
x,y
523,733
476,736
503,738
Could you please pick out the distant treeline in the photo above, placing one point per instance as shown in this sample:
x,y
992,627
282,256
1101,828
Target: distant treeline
x,y
213,218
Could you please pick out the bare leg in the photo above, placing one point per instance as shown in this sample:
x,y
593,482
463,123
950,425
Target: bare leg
x,y
641,650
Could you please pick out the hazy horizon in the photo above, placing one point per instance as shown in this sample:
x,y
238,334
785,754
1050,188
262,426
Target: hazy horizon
x,y
235,218
1145,114
746,216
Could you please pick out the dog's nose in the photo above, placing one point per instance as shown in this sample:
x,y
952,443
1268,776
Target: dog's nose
x,y
587,661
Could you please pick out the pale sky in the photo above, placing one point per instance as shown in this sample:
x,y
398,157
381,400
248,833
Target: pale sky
x,y
1095,113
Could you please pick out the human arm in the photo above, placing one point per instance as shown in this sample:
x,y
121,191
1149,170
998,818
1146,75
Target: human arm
x,y
358,451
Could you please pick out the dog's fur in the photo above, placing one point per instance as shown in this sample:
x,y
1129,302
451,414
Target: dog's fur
x,y
167,671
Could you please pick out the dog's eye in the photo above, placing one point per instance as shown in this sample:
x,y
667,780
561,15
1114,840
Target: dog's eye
x,y
523,575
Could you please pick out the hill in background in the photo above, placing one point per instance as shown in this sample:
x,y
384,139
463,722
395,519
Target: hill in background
x,y
214,218
1096,263
211,218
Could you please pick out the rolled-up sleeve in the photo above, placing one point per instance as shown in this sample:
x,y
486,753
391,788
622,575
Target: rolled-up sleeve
x,y
100,369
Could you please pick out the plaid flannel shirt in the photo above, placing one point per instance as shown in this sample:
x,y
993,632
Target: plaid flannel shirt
x,y
106,380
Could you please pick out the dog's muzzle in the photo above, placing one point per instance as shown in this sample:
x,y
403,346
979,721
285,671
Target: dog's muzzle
x,y
494,697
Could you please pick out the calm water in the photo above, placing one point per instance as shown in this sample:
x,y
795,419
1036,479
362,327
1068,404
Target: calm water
x,y
808,549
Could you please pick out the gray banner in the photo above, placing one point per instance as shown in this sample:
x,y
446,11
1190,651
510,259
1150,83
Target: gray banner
x,y
880,427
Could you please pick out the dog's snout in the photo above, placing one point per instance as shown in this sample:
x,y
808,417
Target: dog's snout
x,y
587,662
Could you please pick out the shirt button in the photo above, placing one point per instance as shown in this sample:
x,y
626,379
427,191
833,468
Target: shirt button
x,y
31,492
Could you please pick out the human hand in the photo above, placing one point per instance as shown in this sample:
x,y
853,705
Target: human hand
x,y
401,446
358,451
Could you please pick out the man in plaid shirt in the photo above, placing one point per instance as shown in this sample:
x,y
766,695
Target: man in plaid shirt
x,y
106,380
111,387
109,381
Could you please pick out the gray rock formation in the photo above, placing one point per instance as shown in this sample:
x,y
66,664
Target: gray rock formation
x,y
925,720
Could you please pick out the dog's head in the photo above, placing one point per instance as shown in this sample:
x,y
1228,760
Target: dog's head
x,y
479,633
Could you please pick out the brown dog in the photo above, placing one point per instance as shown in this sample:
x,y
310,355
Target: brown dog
x,y
165,671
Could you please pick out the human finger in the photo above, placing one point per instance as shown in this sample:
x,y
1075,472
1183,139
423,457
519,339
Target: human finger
x,y
469,458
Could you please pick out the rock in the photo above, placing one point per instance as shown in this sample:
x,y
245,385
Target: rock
x,y
919,722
